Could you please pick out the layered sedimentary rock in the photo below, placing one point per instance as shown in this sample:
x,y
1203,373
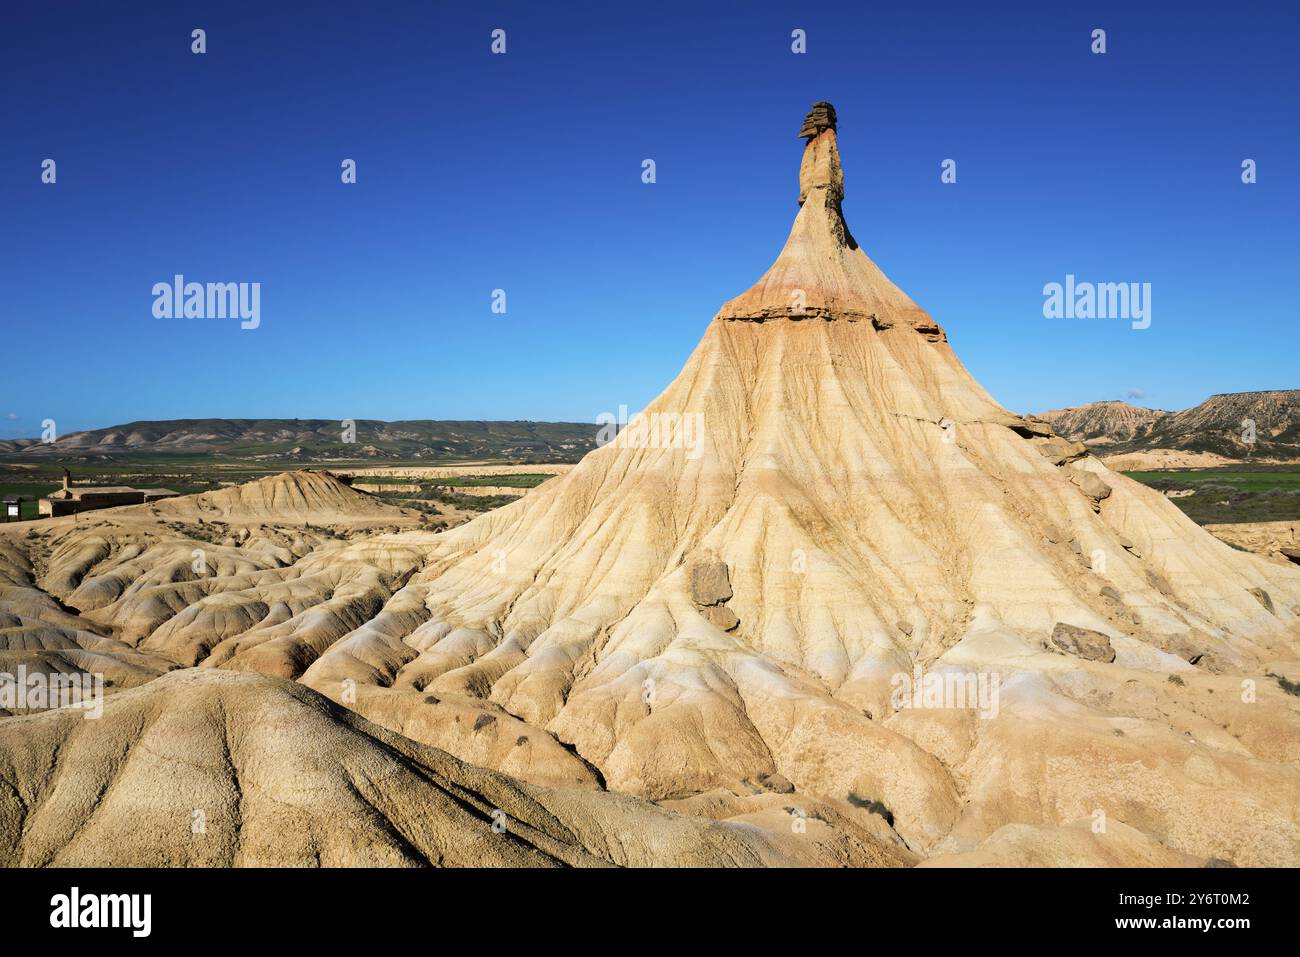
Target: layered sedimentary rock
x,y
726,609
213,769
877,512
1225,428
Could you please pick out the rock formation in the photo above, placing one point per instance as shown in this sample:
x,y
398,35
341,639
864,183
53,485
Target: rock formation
x,y
853,478
212,769
1238,426
718,611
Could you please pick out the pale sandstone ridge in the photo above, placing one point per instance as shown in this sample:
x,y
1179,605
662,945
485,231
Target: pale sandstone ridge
x,y
212,769
721,625
299,496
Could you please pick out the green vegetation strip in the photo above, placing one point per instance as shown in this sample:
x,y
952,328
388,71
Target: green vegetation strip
x,y
1230,495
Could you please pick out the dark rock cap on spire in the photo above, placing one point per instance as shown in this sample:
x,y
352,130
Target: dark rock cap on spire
x,y
820,117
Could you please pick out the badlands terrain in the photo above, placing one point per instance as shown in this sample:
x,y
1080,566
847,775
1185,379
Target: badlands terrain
x,y
687,649
1204,436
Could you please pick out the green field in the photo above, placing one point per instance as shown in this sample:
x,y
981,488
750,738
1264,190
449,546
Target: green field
x,y
443,491
1231,494
23,488
500,481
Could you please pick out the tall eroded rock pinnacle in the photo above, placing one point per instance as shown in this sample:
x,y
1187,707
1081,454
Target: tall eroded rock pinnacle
x,y
821,273
733,603
820,168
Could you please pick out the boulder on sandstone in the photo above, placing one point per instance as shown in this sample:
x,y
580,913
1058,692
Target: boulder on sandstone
x,y
720,616
1026,426
1058,451
1215,664
1082,642
1090,484
710,583
1036,426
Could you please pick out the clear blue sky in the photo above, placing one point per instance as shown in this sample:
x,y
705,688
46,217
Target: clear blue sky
x,y
523,172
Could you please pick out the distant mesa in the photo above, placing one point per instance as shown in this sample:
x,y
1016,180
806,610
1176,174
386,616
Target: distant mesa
x,y
1211,433
314,441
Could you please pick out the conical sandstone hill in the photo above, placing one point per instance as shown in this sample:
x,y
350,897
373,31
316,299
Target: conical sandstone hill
x,y
738,611
303,496
719,622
